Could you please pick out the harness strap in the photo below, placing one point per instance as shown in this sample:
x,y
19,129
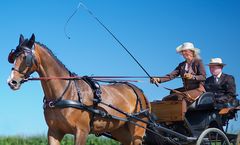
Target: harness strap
x,y
138,99
52,103
78,90
26,75
96,95
79,105
95,88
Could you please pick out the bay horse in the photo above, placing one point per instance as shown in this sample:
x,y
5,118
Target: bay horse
x,y
120,99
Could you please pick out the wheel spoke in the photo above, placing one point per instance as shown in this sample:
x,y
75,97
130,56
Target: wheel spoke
x,y
212,136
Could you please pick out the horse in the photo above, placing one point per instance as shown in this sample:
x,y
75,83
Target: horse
x,y
117,100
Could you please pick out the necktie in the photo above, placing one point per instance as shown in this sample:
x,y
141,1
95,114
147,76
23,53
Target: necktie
x,y
216,80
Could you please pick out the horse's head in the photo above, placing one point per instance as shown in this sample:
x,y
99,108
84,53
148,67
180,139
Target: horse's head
x,y
23,60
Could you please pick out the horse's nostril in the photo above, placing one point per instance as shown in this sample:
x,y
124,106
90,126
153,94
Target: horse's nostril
x,y
13,82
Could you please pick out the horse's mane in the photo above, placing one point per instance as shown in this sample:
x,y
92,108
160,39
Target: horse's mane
x,y
52,54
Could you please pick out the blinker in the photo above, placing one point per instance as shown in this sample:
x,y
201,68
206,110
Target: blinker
x,y
29,59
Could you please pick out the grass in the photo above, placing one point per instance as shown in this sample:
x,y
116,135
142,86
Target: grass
x,y
42,140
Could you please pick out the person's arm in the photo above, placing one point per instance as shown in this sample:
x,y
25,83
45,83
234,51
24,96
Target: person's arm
x,y
201,73
172,75
229,90
167,77
231,86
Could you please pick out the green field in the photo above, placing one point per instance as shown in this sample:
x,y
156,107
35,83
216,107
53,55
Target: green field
x,y
42,140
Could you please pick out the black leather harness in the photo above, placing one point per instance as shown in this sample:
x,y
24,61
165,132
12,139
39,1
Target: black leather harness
x,y
78,104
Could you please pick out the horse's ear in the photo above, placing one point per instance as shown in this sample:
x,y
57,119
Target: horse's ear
x,y
31,41
21,39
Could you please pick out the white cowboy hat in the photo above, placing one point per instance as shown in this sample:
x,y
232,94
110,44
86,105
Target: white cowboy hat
x,y
187,46
216,61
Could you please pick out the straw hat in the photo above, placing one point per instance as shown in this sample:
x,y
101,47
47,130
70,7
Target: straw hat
x,y
216,61
187,46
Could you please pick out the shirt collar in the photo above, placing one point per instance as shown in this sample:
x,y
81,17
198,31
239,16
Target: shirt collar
x,y
219,75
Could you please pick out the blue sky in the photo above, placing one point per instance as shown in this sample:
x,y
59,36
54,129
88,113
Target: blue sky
x,y
150,29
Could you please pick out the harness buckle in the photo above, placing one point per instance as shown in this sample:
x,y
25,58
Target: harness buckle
x,y
51,104
98,92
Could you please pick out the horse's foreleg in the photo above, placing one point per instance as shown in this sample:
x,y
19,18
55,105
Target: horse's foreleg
x,y
54,138
81,137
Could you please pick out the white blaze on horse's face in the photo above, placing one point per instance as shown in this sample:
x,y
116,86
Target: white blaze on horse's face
x,y
10,81
16,78
14,83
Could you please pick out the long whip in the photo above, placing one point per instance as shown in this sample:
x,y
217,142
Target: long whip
x,y
91,13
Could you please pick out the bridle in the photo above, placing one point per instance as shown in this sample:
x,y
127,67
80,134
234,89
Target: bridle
x,y
29,59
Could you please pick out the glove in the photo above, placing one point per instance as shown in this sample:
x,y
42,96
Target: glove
x,y
188,76
155,80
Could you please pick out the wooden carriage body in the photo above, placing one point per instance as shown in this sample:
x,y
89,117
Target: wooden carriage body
x,y
169,111
193,120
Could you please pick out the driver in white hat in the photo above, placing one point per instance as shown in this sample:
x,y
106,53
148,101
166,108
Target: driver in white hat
x,y
221,84
192,72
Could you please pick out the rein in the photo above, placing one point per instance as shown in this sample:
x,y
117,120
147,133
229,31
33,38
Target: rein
x,y
107,79
80,77
98,78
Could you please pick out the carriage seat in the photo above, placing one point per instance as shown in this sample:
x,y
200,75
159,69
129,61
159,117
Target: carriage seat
x,y
205,101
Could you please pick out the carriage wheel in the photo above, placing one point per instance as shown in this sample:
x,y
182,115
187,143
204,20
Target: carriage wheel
x,y
212,136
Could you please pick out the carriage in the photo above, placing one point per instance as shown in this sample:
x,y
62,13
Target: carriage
x,y
79,106
204,122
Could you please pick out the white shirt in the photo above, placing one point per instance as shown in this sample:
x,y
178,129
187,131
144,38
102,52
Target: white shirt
x,y
217,77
